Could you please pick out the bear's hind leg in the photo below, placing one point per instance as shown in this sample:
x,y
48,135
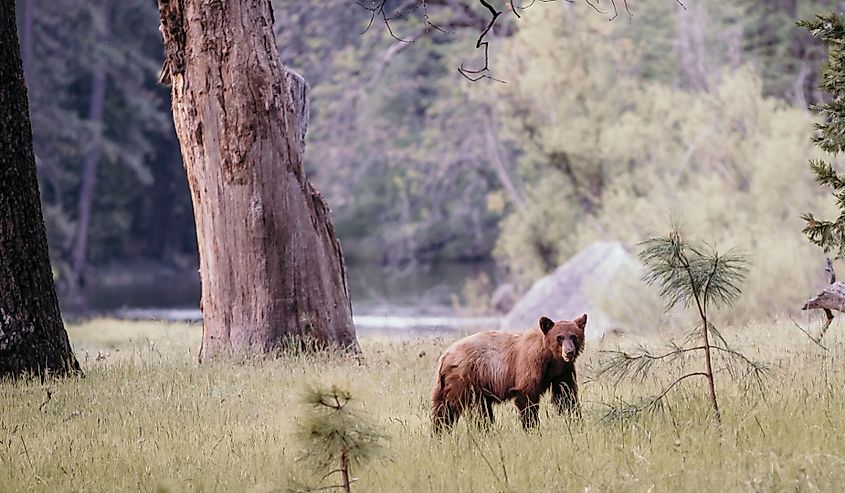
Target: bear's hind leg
x,y
444,415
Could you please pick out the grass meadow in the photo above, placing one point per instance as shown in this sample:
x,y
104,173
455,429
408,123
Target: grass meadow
x,y
147,417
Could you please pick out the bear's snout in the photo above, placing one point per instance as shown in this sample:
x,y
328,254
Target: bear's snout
x,y
568,350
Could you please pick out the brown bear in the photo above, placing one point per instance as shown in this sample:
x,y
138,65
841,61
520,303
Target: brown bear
x,y
493,366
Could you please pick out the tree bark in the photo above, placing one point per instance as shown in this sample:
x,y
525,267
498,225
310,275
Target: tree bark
x,y
270,263
32,335
79,253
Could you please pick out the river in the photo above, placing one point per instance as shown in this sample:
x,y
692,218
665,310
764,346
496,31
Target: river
x,y
410,302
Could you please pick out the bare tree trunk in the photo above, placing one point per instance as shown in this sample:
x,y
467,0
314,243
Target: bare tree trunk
x,y
270,263
79,253
693,51
499,166
32,336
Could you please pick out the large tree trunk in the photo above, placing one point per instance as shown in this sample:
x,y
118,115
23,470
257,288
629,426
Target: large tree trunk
x,y
270,263
32,336
96,102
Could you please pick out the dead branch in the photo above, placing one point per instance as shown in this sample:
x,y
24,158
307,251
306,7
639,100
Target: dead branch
x,y
468,18
829,299
476,75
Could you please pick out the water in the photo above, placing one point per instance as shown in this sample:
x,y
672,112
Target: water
x,y
410,301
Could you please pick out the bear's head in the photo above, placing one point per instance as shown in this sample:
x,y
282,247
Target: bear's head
x,y
564,338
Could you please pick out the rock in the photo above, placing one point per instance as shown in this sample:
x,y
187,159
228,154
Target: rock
x,y
503,298
565,293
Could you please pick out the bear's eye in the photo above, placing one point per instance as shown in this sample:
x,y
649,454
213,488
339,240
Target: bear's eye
x,y
575,340
560,339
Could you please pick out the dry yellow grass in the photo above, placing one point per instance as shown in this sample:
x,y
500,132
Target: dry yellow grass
x,y
146,416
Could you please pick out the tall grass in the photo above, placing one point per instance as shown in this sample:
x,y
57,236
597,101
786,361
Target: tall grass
x,y
146,416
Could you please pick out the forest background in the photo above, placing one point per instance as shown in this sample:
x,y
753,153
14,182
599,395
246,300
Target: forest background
x,y
695,114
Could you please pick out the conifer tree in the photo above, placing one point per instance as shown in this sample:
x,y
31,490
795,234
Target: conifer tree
x,y
830,234
692,275
335,434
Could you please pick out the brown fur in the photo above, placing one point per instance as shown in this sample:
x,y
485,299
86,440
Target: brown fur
x,y
493,367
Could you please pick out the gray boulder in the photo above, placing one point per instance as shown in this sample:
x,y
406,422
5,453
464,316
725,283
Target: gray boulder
x,y
571,289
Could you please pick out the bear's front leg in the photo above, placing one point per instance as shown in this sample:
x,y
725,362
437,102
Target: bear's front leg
x,y
565,395
529,408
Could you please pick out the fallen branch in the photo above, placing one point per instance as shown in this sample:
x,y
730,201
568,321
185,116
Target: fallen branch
x,y
830,298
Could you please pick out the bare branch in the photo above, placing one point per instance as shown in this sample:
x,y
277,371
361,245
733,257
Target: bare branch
x,y
817,341
377,9
595,7
476,75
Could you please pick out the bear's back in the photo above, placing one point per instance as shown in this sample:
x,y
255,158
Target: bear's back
x,y
486,361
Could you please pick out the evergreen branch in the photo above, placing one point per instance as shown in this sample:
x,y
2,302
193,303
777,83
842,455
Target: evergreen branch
x,y
624,364
630,410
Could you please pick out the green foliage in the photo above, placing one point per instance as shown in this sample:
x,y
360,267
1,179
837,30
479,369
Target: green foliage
x,y
830,137
721,161
333,430
397,142
687,272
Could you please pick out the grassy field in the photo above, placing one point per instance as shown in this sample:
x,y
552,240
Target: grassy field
x,y
147,417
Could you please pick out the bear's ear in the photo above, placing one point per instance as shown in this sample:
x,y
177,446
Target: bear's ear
x,y
581,321
546,324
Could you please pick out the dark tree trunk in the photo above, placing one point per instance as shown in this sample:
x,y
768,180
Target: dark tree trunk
x,y
32,336
270,263
79,253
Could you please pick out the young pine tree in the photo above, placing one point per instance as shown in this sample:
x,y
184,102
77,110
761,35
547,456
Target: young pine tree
x,y
334,434
698,277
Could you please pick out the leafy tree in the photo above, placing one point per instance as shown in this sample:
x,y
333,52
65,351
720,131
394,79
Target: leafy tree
x,y
618,118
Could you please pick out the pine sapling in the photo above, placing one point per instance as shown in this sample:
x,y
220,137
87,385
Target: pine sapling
x,y
335,434
694,276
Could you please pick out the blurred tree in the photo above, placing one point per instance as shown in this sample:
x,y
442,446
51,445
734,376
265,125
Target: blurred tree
x,y
270,263
96,103
655,146
32,335
101,132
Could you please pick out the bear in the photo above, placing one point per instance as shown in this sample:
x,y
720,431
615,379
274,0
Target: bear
x,y
495,366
